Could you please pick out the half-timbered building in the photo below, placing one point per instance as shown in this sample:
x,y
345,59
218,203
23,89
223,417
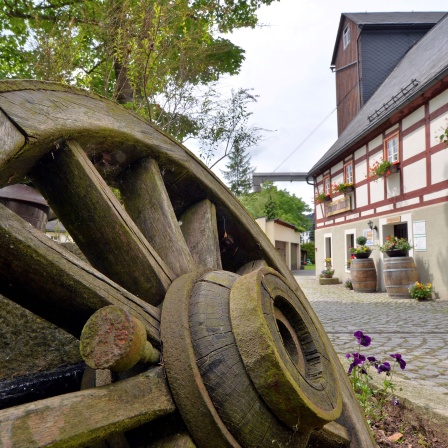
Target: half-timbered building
x,y
392,93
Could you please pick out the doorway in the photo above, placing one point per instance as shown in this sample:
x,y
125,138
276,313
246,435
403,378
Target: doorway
x,y
401,230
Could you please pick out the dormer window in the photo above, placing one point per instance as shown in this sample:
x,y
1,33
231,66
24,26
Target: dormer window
x,y
346,36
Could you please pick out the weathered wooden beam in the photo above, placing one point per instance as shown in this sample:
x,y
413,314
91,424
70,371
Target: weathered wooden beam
x,y
45,278
99,225
200,230
147,202
79,418
332,435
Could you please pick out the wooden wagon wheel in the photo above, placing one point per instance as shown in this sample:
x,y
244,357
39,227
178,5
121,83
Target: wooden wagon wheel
x,y
247,361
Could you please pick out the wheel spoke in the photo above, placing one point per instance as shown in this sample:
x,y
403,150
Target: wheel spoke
x,y
147,202
331,435
81,417
45,278
200,230
102,229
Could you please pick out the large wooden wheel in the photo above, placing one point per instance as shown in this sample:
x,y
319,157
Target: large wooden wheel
x,y
245,360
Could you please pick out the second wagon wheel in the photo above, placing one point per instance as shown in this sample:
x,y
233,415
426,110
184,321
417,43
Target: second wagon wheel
x,y
247,361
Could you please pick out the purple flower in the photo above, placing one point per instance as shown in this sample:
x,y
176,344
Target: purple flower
x,y
371,358
395,401
384,367
348,355
362,338
400,360
358,359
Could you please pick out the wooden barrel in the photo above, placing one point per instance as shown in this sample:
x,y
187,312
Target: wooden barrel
x,y
399,273
363,275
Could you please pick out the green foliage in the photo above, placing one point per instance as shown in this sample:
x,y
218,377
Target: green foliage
x,y
395,243
147,54
310,251
443,137
290,208
371,398
361,240
270,208
225,126
239,172
420,291
311,229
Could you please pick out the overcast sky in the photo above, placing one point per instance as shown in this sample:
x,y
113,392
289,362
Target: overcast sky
x,y
288,65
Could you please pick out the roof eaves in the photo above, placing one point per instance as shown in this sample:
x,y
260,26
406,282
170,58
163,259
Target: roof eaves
x,y
379,97
315,170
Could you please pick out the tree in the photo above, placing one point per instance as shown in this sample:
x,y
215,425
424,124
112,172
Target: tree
x,y
137,52
290,208
309,248
239,172
225,126
311,229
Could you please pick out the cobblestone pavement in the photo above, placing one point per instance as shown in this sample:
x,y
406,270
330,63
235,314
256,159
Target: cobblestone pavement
x,y
417,330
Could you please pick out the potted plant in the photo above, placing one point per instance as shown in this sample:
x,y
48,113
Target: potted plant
x,y
343,187
327,273
361,250
395,247
383,168
322,197
420,291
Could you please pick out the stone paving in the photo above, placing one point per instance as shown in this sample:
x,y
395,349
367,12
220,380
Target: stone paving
x,y
417,330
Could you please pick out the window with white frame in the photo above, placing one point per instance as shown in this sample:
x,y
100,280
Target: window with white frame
x,y
327,185
391,149
346,36
348,173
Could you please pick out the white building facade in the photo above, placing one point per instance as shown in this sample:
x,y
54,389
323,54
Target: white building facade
x,y
402,126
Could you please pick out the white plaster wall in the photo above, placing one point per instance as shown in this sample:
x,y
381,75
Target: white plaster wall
x,y
438,101
414,143
361,171
319,211
360,152
337,179
439,166
393,128
282,233
377,190
414,176
262,223
337,167
377,157
413,118
377,141
393,185
436,128
319,178
361,196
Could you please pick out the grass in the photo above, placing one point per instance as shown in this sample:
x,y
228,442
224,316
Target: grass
x,y
310,267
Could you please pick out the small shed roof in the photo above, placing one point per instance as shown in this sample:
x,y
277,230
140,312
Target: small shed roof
x,y
420,68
